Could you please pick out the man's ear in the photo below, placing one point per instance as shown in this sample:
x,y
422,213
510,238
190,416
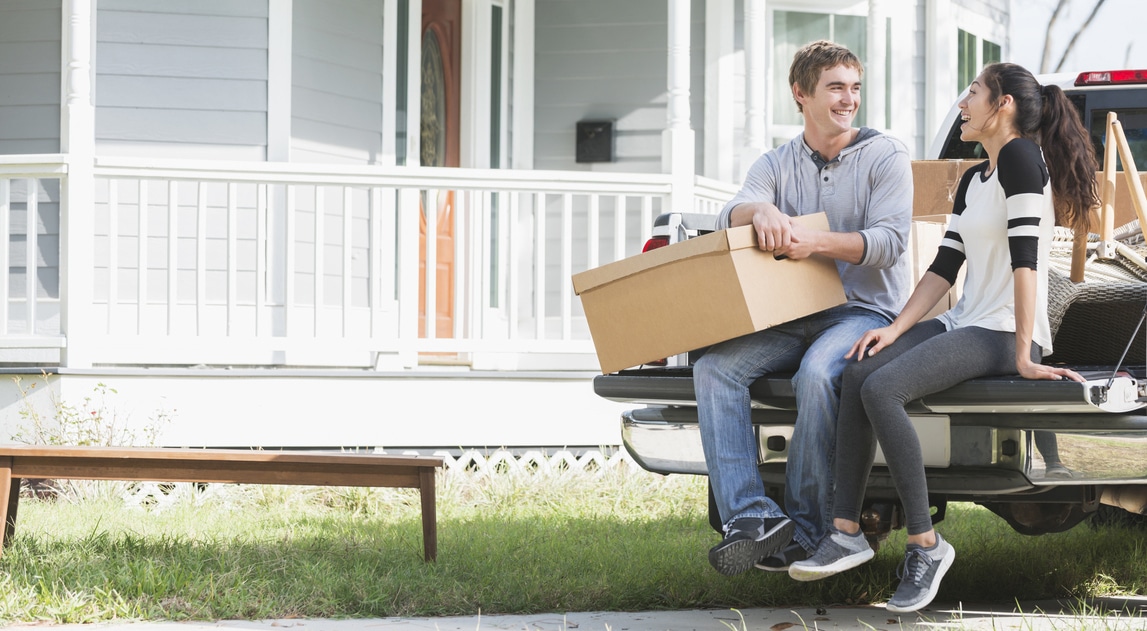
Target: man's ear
x,y
798,94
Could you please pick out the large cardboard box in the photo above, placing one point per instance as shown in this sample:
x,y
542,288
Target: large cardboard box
x,y
935,183
923,242
699,292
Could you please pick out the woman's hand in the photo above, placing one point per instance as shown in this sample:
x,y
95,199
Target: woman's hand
x,y
1031,370
872,342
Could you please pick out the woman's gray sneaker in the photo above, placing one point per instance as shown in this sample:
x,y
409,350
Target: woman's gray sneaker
x,y
836,553
748,540
920,575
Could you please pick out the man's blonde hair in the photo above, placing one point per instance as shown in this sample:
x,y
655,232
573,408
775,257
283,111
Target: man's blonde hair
x,y
816,57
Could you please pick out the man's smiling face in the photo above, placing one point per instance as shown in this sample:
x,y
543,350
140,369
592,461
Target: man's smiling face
x,y
831,108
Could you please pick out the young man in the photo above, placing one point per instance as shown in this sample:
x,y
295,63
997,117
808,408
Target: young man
x,y
862,180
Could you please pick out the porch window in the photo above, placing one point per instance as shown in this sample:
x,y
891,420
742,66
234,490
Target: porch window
x,y
974,53
793,29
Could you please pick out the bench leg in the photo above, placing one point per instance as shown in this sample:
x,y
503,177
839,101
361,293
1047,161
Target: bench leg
x,y
429,515
9,501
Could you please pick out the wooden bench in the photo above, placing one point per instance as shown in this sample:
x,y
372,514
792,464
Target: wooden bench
x,y
217,465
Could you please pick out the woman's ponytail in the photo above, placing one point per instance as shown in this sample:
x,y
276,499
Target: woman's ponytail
x,y
1070,157
1045,115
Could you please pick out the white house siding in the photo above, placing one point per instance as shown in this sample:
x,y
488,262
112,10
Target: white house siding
x,y
337,81
182,78
603,59
29,76
30,123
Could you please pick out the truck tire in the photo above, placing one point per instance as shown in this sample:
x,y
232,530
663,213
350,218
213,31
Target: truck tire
x,y
1112,516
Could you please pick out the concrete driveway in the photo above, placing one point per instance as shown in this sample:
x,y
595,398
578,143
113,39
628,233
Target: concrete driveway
x,y
1109,614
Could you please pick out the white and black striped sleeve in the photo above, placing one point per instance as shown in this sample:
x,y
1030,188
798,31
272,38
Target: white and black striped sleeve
x,y
1023,176
950,257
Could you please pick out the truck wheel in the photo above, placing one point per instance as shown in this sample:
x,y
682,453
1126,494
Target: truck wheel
x,y
1038,518
1114,517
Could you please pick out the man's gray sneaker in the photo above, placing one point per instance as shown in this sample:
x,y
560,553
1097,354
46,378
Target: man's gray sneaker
x,y
920,575
836,553
780,560
748,540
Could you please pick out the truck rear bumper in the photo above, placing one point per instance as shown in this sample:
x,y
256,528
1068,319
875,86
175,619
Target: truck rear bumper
x,y
963,454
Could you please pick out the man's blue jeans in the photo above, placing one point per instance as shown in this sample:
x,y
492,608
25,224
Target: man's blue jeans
x,y
813,347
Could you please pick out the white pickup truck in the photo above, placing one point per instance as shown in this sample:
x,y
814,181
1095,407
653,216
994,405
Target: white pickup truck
x,y
987,440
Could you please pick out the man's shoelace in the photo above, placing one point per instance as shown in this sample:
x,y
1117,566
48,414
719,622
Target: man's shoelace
x,y
915,565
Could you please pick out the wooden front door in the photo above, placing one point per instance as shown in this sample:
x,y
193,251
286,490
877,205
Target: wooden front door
x,y
441,85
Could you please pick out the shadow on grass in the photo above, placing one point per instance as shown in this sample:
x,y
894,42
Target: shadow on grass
x,y
340,565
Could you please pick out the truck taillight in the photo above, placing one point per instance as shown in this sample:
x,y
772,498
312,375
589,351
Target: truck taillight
x,y
654,243
1111,77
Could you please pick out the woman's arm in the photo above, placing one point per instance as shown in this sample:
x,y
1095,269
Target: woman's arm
x,y
928,292
1025,289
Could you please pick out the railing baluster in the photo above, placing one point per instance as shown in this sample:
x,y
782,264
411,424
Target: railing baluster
x,y
31,262
232,254
431,266
141,261
567,267
262,324
319,271
6,247
619,228
289,264
201,259
113,252
348,216
594,229
172,254
540,266
646,220
513,281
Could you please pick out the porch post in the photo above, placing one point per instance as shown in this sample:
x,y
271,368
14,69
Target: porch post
x,y
720,147
677,141
756,90
875,77
940,53
78,144
409,198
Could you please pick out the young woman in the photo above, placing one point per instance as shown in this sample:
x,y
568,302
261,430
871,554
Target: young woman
x,y
1001,226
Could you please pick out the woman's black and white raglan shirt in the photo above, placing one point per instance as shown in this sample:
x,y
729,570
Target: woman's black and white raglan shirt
x,y
1000,222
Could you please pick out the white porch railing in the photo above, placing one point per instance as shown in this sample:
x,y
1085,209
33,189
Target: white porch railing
x,y
275,264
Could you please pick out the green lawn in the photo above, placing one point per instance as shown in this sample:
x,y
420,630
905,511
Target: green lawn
x,y
507,544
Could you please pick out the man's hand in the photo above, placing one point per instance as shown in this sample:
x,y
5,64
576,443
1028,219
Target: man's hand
x,y
774,229
804,242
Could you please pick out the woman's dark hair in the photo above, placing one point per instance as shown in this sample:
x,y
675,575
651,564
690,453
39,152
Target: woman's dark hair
x,y
1045,115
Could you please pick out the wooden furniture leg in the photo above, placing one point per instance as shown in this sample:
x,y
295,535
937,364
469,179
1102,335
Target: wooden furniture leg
x,y
9,500
429,518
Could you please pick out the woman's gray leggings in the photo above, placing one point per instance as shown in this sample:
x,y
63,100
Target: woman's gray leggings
x,y
874,391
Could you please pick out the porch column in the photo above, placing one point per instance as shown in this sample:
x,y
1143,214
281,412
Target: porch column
x,y
720,146
940,53
875,77
756,90
678,152
78,144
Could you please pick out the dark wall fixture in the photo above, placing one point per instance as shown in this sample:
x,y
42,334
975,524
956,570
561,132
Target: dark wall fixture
x,y
595,141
